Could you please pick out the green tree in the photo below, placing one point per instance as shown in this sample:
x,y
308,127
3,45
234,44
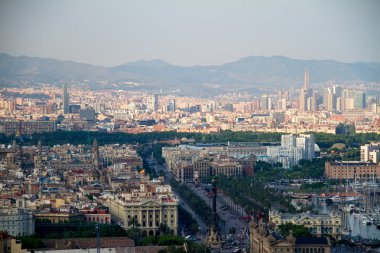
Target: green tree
x,y
297,230
31,242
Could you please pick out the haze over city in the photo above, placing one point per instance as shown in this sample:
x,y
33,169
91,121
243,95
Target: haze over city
x,y
109,33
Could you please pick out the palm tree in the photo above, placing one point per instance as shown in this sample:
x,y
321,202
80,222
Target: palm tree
x,y
134,222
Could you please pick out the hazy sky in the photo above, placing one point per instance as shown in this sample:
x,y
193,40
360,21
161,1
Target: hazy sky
x,y
190,32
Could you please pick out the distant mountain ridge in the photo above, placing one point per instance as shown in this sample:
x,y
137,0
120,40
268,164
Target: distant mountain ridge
x,y
246,73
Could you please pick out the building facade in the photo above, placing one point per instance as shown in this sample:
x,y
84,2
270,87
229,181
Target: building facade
x,y
352,170
17,221
27,127
9,244
66,102
318,224
370,152
147,208
152,103
293,148
265,240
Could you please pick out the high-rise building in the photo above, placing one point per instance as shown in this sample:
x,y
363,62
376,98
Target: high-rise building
x,y
293,148
171,107
331,102
152,102
338,90
282,104
306,81
341,104
264,102
309,102
314,102
306,142
366,151
359,100
303,100
66,102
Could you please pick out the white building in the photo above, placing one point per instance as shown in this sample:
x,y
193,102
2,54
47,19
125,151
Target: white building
x,y
152,103
293,148
16,221
368,152
306,142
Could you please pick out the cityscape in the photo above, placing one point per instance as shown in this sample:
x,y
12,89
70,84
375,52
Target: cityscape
x,y
257,155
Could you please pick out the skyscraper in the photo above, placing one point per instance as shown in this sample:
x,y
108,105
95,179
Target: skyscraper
x,y
331,102
306,80
152,103
66,102
264,102
338,90
314,102
306,93
303,100
359,99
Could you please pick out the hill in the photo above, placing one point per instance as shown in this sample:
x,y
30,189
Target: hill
x,y
245,74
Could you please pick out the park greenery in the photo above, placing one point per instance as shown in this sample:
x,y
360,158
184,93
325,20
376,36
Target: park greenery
x,y
77,230
187,221
324,140
195,202
297,230
252,194
266,172
31,242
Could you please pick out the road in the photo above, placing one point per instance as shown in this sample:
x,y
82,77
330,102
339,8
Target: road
x,y
226,209
231,216
203,227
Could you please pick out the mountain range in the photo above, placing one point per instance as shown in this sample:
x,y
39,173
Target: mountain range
x,y
247,73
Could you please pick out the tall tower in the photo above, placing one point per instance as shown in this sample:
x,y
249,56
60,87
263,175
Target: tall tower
x,y
152,102
39,150
95,154
38,161
303,100
314,102
20,151
306,80
213,238
65,99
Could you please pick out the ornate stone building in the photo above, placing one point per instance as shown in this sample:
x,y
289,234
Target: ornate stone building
x,y
265,240
153,204
318,224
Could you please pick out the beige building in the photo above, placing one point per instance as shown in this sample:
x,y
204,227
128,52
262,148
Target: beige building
x,y
318,224
57,217
9,244
264,240
352,170
27,127
148,207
